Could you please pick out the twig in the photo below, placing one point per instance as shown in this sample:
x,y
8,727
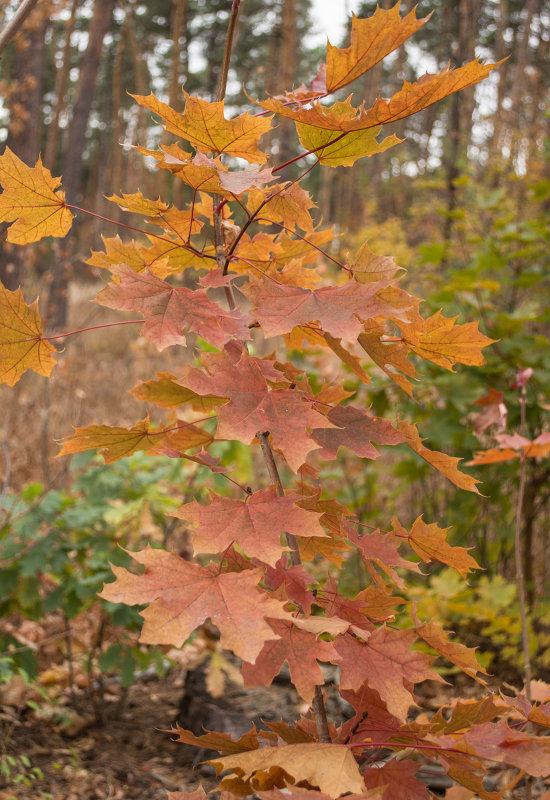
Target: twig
x,y
216,199
318,704
16,22
519,559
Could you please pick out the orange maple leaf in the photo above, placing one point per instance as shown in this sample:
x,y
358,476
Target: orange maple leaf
x,y
30,201
429,542
372,39
439,340
409,100
464,657
183,595
204,125
21,344
445,464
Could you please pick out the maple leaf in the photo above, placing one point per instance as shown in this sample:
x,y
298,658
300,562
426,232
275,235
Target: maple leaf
x,y
112,443
300,649
255,525
367,267
204,125
372,39
31,201
339,310
136,203
382,549
170,311
335,149
252,407
429,542
331,767
132,255
445,464
410,99
456,653
389,665
391,357
293,581
441,341
222,742
288,204
21,344
183,595
398,778
166,392
511,447
372,719
499,742
355,430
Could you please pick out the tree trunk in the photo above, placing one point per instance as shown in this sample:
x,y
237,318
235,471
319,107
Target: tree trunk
x,y
25,125
56,314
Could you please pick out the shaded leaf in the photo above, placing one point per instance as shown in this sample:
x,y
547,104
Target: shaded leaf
x,y
356,430
113,443
464,657
300,649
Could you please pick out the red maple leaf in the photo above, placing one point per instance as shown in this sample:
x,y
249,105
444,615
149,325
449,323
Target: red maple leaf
x,y
255,524
300,649
387,663
253,407
171,312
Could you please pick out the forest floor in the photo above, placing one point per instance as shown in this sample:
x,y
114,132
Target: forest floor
x,y
132,756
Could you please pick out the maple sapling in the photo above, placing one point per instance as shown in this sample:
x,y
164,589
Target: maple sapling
x,y
269,556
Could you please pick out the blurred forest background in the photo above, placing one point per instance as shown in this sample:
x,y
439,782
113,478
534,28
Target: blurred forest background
x,y
463,204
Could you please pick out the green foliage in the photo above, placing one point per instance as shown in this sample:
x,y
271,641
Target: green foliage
x,y
486,615
55,549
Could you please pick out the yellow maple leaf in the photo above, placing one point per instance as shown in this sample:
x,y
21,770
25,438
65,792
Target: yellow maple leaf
x,y
21,344
289,205
439,340
204,125
113,443
372,39
30,201
337,149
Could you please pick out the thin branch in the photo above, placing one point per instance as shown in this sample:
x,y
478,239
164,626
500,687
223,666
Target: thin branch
x,y
12,27
519,558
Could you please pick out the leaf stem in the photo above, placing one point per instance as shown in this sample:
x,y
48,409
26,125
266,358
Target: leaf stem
x,y
91,328
303,238
139,230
